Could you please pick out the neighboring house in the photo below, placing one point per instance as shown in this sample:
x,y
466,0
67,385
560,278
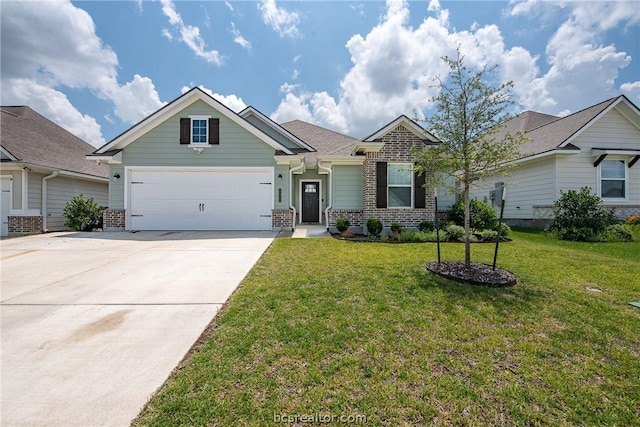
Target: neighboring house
x,y
196,165
42,167
598,147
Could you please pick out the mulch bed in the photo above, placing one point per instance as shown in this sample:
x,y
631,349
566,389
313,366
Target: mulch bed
x,y
477,274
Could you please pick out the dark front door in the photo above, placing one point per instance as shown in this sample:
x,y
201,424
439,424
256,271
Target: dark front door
x,y
310,201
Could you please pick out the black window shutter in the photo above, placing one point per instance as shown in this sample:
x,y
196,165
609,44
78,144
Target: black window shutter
x,y
381,184
418,191
185,130
214,131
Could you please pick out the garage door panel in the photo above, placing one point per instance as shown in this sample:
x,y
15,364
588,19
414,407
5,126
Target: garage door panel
x,y
201,200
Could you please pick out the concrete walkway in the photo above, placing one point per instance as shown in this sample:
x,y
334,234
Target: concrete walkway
x,y
94,323
310,230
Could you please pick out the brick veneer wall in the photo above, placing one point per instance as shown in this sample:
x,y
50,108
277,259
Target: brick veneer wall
x,y
397,145
282,219
353,216
23,224
113,219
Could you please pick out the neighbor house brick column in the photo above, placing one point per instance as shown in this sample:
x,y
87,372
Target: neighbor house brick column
x,y
20,225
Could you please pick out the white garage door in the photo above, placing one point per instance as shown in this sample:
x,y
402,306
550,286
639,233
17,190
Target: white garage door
x,y
212,199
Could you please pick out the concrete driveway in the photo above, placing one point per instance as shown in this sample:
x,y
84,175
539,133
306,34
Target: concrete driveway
x,y
93,323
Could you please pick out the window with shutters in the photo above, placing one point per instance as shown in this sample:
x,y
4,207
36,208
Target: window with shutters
x,y
199,131
399,185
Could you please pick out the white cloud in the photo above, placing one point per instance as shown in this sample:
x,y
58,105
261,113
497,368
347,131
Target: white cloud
x,y
55,106
295,74
189,34
285,23
238,38
229,6
233,102
136,99
632,90
395,64
63,50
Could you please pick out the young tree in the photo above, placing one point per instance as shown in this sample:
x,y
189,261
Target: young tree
x,y
468,122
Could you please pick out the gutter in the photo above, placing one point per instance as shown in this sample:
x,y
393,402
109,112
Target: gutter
x,y
291,189
329,184
44,200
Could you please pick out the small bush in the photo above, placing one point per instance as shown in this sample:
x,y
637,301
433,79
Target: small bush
x,y
82,214
617,233
408,236
504,229
426,226
454,232
580,216
488,235
482,216
342,224
632,220
374,226
397,227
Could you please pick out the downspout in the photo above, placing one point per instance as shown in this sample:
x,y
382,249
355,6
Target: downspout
x,y
329,193
44,200
291,190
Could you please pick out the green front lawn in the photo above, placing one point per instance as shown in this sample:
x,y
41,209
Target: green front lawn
x,y
344,329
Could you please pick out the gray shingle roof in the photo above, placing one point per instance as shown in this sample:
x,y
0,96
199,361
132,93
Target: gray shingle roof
x,y
547,133
34,139
325,141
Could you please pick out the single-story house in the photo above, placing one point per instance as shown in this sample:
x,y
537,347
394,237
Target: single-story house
x,y
42,166
196,165
598,147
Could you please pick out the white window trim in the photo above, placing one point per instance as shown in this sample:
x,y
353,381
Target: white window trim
x,y
199,144
410,166
614,200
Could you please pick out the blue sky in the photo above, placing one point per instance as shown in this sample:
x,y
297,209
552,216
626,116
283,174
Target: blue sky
x,y
98,67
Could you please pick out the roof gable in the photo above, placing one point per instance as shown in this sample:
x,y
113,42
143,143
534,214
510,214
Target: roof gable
x,y
411,125
255,117
31,138
174,107
561,133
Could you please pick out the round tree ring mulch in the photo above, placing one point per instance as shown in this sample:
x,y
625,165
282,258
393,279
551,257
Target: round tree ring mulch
x,y
477,274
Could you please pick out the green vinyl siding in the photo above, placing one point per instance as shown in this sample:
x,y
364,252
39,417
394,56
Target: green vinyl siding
x,y
282,184
161,147
347,187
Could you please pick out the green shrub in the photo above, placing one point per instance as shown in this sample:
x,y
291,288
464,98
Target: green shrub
x,y
618,233
408,236
374,226
82,214
454,232
580,216
397,227
504,229
488,235
425,236
342,224
482,216
426,226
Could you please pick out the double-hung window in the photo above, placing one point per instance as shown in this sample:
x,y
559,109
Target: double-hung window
x,y
199,130
613,179
399,185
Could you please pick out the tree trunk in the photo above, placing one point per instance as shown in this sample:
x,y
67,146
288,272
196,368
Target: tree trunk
x,y
467,226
